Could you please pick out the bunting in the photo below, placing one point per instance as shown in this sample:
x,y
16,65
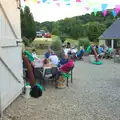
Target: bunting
x,y
95,11
58,4
104,6
38,2
117,9
104,13
114,13
85,4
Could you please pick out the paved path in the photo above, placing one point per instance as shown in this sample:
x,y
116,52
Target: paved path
x,y
94,95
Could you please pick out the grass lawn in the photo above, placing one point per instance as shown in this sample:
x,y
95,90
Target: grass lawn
x,y
74,42
39,52
46,41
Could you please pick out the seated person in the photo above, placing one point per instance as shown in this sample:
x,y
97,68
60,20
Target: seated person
x,y
109,52
34,54
80,53
69,53
63,60
66,67
47,54
47,63
101,51
66,50
97,49
54,58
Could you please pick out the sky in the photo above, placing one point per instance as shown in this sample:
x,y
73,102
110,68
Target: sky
x,y
51,12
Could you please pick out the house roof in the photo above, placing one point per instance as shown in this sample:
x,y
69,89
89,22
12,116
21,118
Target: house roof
x,y
113,32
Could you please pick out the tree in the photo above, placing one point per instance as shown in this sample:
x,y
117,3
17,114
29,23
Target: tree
x,y
37,26
81,26
28,25
63,37
44,28
94,30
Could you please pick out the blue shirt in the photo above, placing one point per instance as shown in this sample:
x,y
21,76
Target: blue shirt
x,y
80,52
100,50
62,62
47,55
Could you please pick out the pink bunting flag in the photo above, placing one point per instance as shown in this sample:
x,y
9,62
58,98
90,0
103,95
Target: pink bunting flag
x,y
117,9
105,13
87,8
38,2
78,1
58,4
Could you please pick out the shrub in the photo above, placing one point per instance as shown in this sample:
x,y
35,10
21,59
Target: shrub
x,y
83,42
57,47
63,37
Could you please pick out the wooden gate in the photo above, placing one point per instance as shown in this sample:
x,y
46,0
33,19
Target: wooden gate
x,y
11,81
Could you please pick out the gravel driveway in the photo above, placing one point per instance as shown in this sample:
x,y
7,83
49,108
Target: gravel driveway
x,y
94,95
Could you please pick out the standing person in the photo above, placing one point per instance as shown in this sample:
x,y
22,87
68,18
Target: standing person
x,y
54,58
68,45
34,54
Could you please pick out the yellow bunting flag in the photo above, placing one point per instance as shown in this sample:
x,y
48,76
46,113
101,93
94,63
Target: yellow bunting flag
x,y
28,1
90,4
78,5
35,1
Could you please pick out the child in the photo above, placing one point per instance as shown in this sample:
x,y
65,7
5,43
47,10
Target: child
x,y
47,63
34,54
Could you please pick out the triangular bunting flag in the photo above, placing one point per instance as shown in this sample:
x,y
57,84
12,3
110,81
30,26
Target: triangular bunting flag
x,y
27,1
104,6
58,4
35,1
105,13
78,5
48,2
114,13
78,0
87,8
117,9
95,11
68,4
66,0
38,2
44,1
90,4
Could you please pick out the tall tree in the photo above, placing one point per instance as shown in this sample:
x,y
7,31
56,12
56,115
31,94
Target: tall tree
x,y
28,25
94,30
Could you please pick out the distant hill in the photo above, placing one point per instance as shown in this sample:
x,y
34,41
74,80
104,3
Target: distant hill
x,y
75,27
